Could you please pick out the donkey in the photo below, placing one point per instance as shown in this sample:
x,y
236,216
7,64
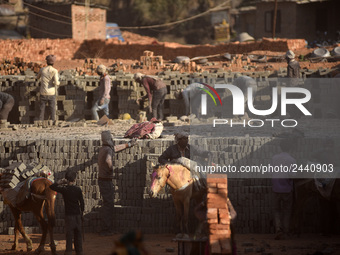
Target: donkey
x,y
180,181
41,196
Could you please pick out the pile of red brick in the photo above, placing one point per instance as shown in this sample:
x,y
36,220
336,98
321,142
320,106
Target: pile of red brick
x,y
218,214
17,66
38,49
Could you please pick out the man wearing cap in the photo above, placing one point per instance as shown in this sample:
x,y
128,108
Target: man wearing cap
x,y
181,149
105,176
49,80
102,103
293,68
6,105
155,92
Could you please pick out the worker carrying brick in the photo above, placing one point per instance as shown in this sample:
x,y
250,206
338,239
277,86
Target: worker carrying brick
x,y
103,100
105,176
155,92
6,105
49,80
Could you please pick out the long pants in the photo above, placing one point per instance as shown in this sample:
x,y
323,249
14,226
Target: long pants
x,y
73,231
96,107
6,108
157,105
106,189
282,211
51,100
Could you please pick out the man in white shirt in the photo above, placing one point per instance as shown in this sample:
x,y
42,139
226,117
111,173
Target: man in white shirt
x,y
49,80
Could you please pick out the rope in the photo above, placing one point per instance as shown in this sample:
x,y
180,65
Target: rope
x,y
220,7
57,14
44,17
67,36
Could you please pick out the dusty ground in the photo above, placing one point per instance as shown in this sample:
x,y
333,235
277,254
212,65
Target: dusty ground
x,y
162,244
310,128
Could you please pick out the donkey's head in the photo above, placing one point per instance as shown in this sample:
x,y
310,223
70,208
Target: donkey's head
x,y
159,178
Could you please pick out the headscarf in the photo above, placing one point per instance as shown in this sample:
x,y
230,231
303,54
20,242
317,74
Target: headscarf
x,y
106,138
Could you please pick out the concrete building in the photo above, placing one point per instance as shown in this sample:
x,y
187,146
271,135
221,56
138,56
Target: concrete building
x,y
67,20
307,19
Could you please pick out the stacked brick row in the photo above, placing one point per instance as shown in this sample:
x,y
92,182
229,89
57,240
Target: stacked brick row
x,y
218,214
324,102
128,91
252,198
77,94
151,61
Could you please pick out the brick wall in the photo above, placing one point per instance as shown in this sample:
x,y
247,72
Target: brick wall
x,y
88,24
288,19
76,22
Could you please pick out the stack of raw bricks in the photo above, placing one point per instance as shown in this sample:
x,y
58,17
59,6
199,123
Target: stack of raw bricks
x,y
151,61
38,49
218,214
18,66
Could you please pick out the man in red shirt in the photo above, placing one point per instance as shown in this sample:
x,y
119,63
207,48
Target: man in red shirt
x,y
155,92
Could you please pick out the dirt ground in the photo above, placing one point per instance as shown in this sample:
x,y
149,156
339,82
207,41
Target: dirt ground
x,y
308,244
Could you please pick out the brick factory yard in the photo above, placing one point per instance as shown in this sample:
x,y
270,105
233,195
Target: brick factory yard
x,y
71,55
250,244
